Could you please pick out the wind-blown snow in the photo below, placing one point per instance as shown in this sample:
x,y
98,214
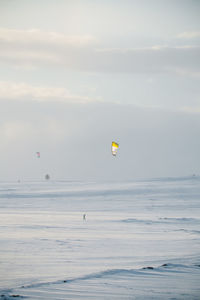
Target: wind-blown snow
x,y
140,240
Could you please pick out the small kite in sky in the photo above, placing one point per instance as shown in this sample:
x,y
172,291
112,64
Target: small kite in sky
x,y
114,148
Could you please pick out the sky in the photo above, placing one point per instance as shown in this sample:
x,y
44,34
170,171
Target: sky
x,y
76,75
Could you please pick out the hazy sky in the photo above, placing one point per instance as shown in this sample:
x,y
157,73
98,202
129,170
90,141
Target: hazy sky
x,y
75,75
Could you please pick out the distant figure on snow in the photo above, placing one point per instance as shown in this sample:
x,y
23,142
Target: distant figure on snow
x,y
47,177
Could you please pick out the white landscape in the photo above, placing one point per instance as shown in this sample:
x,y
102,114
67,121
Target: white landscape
x,y
139,240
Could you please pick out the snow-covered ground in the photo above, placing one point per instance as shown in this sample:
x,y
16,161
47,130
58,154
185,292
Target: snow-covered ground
x,y
139,240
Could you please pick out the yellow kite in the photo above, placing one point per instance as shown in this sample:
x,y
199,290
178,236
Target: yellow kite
x,y
114,148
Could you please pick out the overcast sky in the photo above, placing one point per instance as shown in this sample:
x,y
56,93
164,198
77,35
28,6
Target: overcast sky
x,y
75,75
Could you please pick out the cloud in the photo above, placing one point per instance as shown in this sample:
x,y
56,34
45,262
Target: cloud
x,y
35,47
156,59
27,92
189,35
36,36
191,109
84,53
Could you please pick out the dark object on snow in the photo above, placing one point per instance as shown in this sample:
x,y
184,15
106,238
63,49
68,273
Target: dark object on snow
x,y
47,177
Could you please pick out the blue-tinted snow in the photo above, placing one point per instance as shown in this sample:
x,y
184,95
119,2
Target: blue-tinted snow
x,y
140,240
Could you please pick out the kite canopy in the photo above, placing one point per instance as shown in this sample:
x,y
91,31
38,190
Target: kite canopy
x,y
114,148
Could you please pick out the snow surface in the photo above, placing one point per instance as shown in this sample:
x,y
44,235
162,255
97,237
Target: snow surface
x,y
140,240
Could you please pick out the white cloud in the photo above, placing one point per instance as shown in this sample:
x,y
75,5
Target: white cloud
x,y
189,35
83,53
191,109
24,91
155,59
36,36
33,47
